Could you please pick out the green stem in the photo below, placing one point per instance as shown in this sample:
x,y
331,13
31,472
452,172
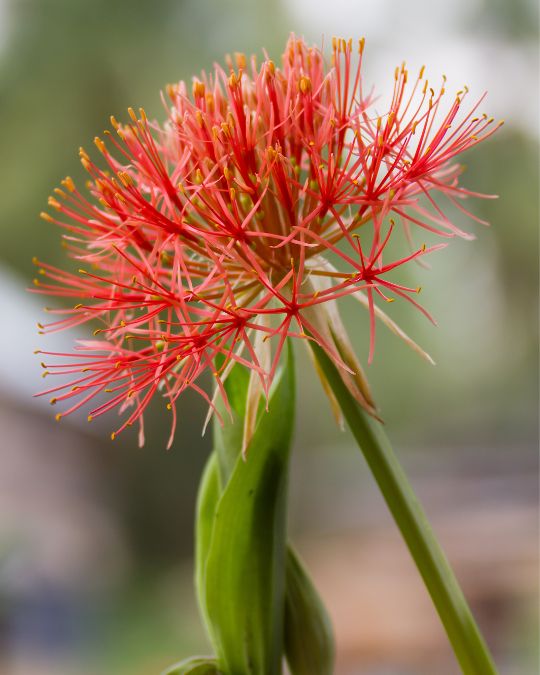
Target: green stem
x,y
469,646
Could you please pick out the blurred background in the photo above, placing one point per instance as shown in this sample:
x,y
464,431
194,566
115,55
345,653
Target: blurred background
x,y
96,538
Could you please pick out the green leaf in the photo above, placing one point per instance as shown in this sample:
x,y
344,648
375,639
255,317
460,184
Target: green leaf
x,y
196,665
228,436
309,641
244,572
207,500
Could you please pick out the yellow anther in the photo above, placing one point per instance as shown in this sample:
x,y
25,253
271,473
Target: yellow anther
x,y
100,145
113,436
83,154
421,73
54,203
304,84
168,406
58,417
361,44
125,178
68,184
198,89
234,80
35,282
142,114
97,331
45,216
425,87
390,299
89,418
418,289
78,305
114,122
53,401
132,114
240,60
60,193
270,67
232,193
45,373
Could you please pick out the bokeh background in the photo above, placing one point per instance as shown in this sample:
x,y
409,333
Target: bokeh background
x,y
96,537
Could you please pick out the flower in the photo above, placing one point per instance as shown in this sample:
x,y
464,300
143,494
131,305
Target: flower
x,y
268,194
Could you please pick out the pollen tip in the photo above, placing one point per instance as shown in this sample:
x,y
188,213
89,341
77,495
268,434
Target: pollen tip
x,y
89,418
58,417
168,406
113,436
304,84
53,401
100,145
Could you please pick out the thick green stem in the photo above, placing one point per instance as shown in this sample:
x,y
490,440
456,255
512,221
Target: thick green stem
x,y
467,642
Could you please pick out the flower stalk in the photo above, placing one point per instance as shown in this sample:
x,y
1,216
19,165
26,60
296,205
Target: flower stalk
x,y
467,642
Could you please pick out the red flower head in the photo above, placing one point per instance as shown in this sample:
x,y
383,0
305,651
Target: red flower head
x,y
268,194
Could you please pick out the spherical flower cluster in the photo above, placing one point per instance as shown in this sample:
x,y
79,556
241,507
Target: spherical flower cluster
x,y
268,194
